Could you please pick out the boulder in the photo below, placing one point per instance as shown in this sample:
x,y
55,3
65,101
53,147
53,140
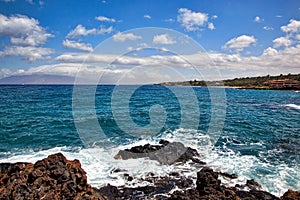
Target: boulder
x,y
54,177
166,153
291,195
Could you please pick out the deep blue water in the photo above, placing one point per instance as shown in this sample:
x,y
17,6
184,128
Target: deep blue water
x,y
262,124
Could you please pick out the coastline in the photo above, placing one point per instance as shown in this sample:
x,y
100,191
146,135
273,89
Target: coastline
x,y
55,177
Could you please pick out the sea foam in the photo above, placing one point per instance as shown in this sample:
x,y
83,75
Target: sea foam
x,y
293,106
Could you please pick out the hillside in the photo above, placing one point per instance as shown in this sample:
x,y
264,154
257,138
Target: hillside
x,y
260,82
37,79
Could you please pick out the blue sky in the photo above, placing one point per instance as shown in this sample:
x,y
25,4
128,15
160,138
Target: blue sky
x,y
243,38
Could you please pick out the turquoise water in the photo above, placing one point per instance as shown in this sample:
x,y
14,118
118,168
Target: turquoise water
x,y
260,138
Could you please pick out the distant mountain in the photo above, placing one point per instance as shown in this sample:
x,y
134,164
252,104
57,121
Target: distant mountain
x,y
36,79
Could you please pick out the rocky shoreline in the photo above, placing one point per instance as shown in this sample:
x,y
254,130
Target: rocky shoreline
x,y
55,177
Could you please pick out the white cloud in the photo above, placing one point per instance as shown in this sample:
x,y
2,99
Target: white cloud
x,y
270,52
163,39
5,72
23,30
191,20
82,31
214,17
147,16
239,43
268,28
104,30
105,19
211,26
122,37
292,27
257,19
278,16
130,48
169,20
271,62
29,52
77,45
282,41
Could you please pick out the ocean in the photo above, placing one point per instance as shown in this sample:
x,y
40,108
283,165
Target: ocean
x,y
252,133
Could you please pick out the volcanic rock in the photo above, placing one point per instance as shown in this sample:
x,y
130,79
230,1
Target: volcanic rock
x,y
54,177
291,195
166,153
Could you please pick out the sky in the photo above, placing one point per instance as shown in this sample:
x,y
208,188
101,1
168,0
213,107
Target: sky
x,y
195,39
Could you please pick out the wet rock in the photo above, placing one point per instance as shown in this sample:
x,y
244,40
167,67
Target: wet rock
x,y
253,184
230,176
291,195
51,178
165,153
159,189
197,160
128,177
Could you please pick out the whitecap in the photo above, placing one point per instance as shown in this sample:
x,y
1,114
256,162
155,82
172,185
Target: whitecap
x,y
293,106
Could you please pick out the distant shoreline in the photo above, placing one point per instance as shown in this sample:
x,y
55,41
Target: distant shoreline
x,y
281,82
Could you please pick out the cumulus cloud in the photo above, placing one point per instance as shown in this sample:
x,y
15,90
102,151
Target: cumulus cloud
x,y
26,35
163,39
147,16
105,19
211,26
282,41
31,53
239,43
271,61
5,72
23,31
122,37
104,30
270,52
191,20
292,27
82,31
214,17
257,19
77,45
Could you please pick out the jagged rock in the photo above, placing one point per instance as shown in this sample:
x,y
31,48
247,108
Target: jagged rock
x,y
166,153
51,178
55,177
252,184
209,187
226,175
159,188
291,195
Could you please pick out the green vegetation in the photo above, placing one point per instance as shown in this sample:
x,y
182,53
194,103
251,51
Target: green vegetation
x,y
258,81
247,82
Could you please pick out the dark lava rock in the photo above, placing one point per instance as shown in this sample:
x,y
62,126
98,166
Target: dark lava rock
x,y
230,176
291,195
252,184
166,153
159,188
54,177
209,187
